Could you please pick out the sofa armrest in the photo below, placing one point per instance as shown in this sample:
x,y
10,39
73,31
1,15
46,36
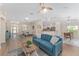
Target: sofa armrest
x,y
35,37
60,38
57,48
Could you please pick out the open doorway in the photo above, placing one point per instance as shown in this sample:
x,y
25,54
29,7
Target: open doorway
x,y
14,31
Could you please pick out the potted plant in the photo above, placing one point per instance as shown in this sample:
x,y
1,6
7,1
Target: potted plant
x,y
29,43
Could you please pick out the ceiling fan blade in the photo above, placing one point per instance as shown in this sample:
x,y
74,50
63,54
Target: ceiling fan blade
x,y
50,8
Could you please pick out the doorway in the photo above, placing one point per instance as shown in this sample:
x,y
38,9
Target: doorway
x,y
14,31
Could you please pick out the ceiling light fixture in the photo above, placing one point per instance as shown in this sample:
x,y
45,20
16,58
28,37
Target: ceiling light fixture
x,y
44,8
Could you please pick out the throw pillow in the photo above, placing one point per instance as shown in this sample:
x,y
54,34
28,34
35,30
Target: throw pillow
x,y
54,40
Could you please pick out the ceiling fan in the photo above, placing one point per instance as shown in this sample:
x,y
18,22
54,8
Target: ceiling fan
x,y
44,8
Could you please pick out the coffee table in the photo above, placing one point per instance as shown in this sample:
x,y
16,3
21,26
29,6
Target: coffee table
x,y
29,50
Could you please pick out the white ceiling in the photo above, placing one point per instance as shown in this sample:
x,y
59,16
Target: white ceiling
x,y
18,11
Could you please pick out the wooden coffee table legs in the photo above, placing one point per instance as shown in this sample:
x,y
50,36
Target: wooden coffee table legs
x,y
34,53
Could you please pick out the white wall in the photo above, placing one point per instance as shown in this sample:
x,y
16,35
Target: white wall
x,y
2,29
21,25
38,27
60,23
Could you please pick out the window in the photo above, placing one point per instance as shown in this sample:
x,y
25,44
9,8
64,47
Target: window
x,y
72,28
14,28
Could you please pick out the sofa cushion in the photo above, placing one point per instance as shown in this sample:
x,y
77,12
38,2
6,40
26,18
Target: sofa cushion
x,y
46,37
46,45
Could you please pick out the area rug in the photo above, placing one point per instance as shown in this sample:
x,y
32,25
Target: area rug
x,y
19,52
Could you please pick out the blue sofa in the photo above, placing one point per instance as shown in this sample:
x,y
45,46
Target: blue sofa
x,y
45,45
